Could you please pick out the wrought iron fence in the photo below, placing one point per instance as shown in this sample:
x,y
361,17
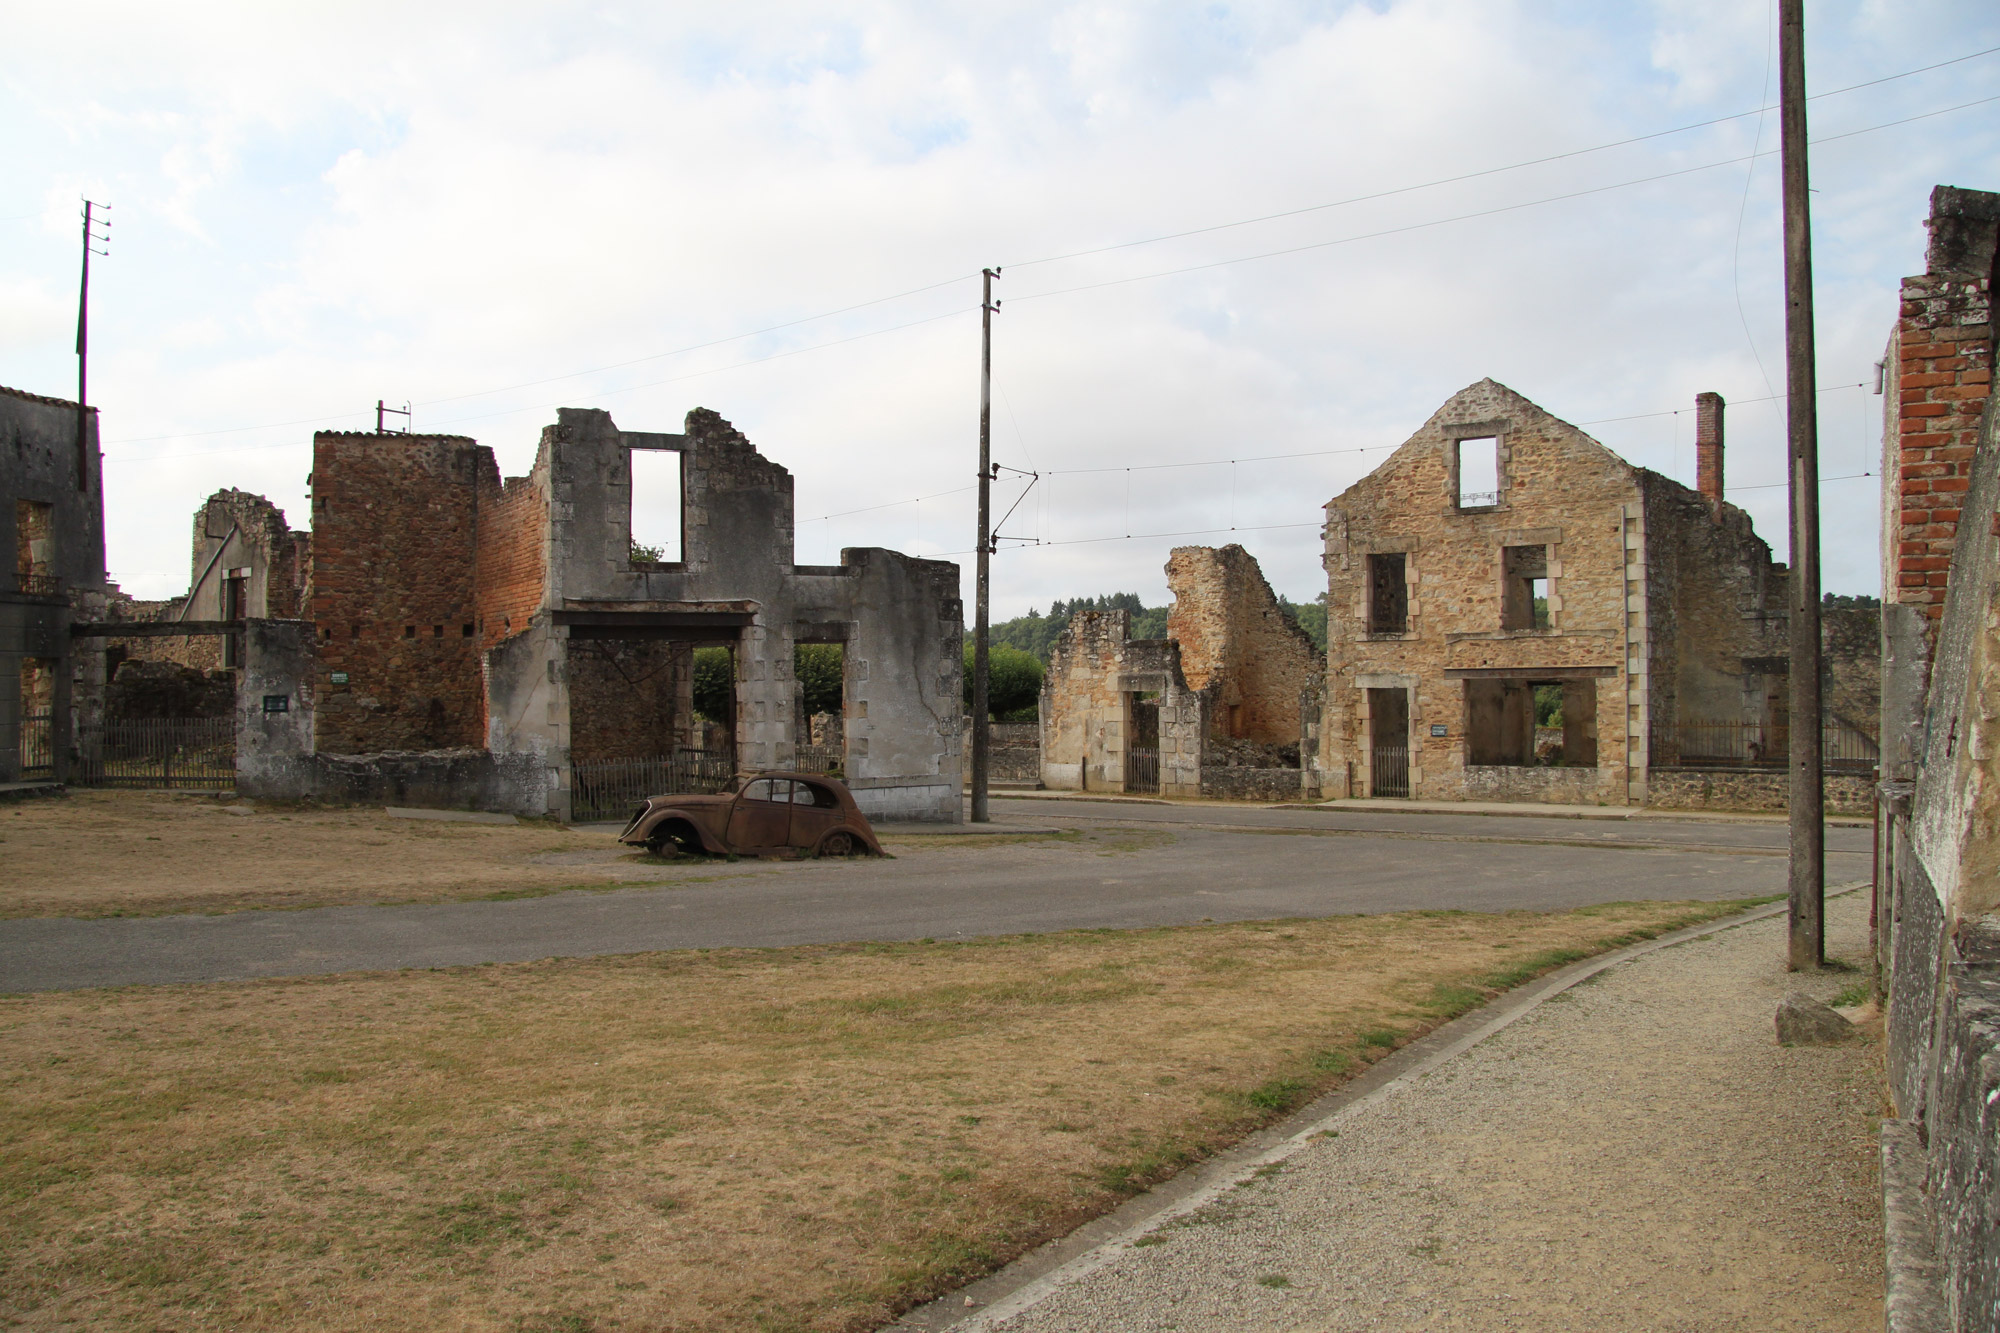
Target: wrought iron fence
x,y
610,788
38,744
1756,745
179,753
827,759
1142,770
1389,770
40,585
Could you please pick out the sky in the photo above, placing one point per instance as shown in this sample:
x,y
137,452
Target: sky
x,y
780,212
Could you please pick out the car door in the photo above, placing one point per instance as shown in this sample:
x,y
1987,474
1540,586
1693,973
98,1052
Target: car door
x,y
815,809
761,816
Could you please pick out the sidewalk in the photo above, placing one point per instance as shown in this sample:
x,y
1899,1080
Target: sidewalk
x,y
1370,805
1634,1153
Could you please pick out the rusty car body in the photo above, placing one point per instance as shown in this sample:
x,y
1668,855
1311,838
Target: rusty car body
x,y
762,814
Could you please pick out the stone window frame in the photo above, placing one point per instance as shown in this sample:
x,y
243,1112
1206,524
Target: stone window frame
x,y
1411,549
1550,540
1496,431
632,499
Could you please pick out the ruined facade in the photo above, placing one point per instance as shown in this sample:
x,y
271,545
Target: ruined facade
x,y
1226,705
473,640
1502,570
52,527
1937,377
1938,876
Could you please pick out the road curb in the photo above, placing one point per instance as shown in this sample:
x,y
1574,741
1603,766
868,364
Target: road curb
x,y
1035,1276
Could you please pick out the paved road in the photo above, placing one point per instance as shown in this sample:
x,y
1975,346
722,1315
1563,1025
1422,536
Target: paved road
x,y
1138,866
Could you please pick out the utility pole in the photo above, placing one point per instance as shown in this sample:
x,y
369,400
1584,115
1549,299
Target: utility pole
x,y
1806,916
91,221
980,812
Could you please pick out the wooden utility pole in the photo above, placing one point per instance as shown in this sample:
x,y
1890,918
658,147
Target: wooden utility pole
x,y
1806,918
91,221
980,812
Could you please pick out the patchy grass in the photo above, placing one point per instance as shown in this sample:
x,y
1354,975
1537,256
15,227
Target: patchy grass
x,y
143,853
806,1138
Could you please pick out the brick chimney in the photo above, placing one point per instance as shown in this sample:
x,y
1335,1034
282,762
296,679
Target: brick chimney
x,y
1708,445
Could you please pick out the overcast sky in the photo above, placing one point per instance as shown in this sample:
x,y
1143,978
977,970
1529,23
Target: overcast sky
x,y
490,211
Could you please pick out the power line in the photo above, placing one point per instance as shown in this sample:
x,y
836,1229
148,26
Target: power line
x,y
1480,213
341,416
1490,171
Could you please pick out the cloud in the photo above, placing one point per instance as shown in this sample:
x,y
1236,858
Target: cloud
x,y
322,206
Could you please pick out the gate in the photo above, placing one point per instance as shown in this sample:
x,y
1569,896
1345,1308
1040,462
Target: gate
x,y
604,789
38,744
1389,770
1142,749
177,753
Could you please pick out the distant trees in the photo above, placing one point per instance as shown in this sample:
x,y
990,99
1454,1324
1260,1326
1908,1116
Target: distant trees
x,y
1013,683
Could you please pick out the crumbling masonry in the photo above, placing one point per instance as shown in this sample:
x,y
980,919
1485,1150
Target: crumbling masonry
x,y
469,640
1227,705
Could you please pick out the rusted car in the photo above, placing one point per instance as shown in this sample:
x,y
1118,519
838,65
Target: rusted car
x,y
764,814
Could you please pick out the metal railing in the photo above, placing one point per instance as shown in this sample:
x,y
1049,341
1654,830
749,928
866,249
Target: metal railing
x,y
1142,771
38,744
1756,745
611,788
178,753
40,585
827,759
1478,499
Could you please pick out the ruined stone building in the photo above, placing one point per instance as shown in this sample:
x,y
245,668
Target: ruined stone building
x,y
1937,907
1226,705
446,636
52,524
1501,570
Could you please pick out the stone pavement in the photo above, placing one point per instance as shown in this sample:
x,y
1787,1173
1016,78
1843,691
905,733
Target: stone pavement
x,y
1636,1152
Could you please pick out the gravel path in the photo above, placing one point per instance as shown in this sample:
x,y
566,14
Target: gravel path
x,y
1636,1153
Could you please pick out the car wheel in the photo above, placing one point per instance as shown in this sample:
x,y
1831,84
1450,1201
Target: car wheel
x,y
837,843
671,842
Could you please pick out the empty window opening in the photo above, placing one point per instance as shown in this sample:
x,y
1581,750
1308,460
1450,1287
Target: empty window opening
x,y
1524,599
34,545
1531,724
409,631
437,631
1388,594
1479,473
656,506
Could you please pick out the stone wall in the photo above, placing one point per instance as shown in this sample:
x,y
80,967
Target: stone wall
x,y
395,520
512,575
1940,902
630,698
1752,789
1013,753
1095,674
1237,645
1561,492
1237,783
52,529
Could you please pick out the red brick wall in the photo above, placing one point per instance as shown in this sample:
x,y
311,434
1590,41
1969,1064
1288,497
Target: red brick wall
x,y
513,526
1943,375
391,592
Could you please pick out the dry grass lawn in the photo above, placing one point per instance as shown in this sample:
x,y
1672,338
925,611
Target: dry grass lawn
x,y
140,853
805,1138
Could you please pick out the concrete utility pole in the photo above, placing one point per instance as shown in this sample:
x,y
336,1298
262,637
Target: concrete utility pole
x,y
980,812
91,221
1806,940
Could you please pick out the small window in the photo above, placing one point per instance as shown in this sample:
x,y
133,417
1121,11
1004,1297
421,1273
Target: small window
x,y
1524,598
763,789
656,506
1388,594
805,793
1479,473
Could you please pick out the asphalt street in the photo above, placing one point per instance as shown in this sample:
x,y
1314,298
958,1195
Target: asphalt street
x,y
1140,865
